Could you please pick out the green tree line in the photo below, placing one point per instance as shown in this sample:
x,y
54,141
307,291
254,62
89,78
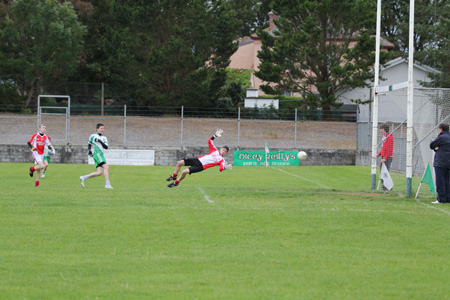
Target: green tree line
x,y
176,52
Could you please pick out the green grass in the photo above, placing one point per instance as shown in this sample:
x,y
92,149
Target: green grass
x,y
270,233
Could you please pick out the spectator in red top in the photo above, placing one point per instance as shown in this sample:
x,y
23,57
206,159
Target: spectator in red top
x,y
387,149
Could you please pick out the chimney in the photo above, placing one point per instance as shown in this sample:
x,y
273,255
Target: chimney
x,y
272,17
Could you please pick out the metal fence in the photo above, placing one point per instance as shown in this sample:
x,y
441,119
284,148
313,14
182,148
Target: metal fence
x,y
186,127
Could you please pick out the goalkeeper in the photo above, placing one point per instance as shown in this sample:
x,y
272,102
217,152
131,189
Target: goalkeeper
x,y
198,164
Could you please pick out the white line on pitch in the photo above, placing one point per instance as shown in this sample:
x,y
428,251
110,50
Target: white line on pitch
x,y
433,207
303,178
205,195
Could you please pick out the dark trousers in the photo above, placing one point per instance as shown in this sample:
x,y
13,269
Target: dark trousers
x,y
442,184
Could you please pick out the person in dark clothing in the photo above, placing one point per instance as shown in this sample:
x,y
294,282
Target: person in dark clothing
x,y
441,146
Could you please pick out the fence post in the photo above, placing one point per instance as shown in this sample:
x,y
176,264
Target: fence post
x,y
295,138
357,128
125,126
102,103
68,124
181,138
239,125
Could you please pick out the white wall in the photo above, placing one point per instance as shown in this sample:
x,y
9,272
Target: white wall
x,y
261,102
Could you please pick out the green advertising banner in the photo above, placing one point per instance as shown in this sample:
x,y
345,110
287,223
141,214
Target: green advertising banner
x,y
258,158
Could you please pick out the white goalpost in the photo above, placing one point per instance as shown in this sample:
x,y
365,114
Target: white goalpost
x,y
410,121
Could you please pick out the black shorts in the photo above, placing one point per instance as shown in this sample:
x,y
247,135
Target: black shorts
x,y
194,163
100,164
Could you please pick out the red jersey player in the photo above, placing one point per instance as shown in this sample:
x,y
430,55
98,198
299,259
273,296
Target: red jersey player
x,y
37,144
198,164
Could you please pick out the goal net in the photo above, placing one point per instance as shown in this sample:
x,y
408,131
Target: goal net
x,y
54,112
431,106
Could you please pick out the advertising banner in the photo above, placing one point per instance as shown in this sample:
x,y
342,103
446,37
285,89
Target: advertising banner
x,y
263,158
128,157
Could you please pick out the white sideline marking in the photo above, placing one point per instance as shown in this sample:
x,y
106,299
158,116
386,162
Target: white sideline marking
x,y
205,195
303,178
433,207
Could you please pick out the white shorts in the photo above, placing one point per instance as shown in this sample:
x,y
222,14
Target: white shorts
x,y
38,157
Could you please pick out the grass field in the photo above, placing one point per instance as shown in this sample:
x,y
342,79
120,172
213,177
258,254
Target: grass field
x,y
252,233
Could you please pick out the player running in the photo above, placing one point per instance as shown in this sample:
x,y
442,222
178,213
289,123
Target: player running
x,y
47,153
37,144
198,164
99,143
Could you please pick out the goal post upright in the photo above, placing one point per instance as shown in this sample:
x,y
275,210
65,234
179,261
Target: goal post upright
x,y
375,100
410,96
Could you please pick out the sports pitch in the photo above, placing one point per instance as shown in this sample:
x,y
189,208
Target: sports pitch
x,y
250,233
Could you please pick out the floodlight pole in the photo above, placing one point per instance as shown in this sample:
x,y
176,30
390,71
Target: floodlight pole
x,y
410,95
375,100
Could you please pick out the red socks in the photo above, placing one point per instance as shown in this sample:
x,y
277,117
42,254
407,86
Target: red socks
x,y
36,183
32,169
174,176
177,182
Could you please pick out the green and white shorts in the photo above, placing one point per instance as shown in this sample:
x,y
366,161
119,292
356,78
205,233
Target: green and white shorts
x,y
99,159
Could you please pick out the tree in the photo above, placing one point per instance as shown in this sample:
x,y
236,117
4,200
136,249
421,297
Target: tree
x,y
431,34
249,15
39,41
160,53
325,44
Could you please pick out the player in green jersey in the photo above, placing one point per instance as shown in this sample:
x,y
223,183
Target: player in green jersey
x,y
97,144
47,153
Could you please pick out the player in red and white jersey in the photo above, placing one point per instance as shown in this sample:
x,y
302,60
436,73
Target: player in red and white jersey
x,y
37,144
203,162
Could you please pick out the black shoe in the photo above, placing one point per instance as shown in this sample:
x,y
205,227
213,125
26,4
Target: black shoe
x,y
171,178
172,184
31,172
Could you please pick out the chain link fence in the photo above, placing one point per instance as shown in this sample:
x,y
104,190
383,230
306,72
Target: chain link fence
x,y
130,125
181,131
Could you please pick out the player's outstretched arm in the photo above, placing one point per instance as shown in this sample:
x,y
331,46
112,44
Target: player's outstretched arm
x,y
218,133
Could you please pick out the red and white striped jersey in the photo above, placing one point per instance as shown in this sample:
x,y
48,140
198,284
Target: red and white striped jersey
x,y
213,158
39,141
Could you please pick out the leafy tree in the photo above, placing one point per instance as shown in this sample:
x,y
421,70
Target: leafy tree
x,y
238,80
431,34
39,41
325,44
168,52
249,15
